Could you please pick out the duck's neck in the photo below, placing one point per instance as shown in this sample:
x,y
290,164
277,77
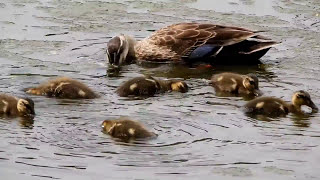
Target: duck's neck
x,y
295,109
165,85
131,53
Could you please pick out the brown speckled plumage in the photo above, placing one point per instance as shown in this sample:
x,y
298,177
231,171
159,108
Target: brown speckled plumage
x,y
176,43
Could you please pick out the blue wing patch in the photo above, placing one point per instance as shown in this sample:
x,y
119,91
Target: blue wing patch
x,y
204,51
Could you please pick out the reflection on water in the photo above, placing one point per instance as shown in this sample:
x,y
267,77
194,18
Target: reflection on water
x,y
25,122
201,134
302,120
201,71
113,71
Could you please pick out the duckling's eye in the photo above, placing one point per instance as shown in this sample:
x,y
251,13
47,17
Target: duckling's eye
x,y
300,96
28,107
251,82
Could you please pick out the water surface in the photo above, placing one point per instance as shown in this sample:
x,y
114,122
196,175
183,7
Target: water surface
x,y
201,135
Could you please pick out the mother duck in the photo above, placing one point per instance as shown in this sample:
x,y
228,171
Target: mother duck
x,y
192,42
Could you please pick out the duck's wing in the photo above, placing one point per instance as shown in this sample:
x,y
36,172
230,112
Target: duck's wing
x,y
186,38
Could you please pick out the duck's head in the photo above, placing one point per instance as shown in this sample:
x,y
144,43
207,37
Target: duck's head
x,y
254,78
251,83
107,125
26,107
301,97
177,85
120,50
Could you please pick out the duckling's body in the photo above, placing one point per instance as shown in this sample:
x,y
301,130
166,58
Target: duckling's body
x,y
173,85
63,87
14,106
126,128
277,107
149,86
267,105
235,83
139,86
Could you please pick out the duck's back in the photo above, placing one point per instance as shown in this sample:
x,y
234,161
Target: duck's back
x,y
130,129
267,106
64,87
8,105
70,88
139,86
227,82
195,41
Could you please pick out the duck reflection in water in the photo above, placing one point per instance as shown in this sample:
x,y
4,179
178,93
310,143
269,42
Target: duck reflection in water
x,y
27,122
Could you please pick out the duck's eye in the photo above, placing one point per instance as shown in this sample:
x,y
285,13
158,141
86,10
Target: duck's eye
x,y
300,96
251,82
29,108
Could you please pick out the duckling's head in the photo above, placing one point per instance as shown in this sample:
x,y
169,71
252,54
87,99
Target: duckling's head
x,y
255,79
249,83
301,97
118,50
107,125
26,106
177,85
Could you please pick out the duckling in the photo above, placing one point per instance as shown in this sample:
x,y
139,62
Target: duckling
x,y
139,86
14,106
63,87
149,86
126,129
276,107
236,83
173,85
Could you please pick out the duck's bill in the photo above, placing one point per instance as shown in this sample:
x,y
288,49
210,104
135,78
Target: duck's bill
x,y
257,92
314,107
28,117
113,71
113,58
113,66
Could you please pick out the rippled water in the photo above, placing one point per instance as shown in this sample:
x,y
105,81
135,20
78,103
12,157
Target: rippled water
x,y
201,135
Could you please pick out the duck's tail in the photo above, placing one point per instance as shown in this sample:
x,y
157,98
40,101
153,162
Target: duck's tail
x,y
255,46
245,53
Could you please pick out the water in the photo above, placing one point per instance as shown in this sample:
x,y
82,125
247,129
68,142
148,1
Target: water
x,y
201,135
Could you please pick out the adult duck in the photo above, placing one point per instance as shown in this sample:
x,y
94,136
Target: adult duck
x,y
192,42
